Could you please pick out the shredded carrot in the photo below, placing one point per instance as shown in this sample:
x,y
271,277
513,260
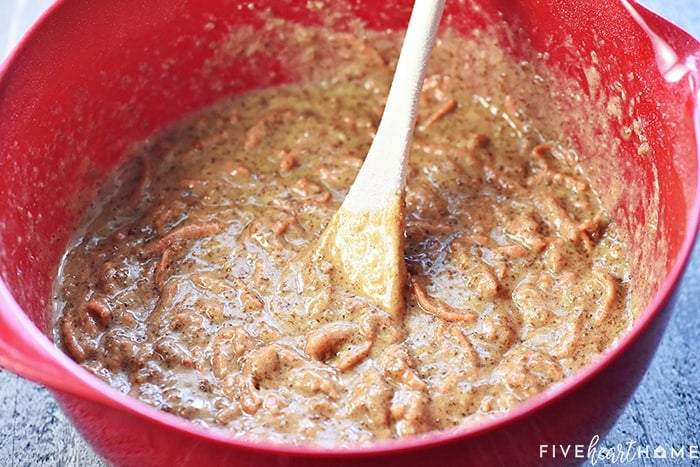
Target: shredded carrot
x,y
99,310
440,309
71,342
186,232
161,270
144,181
438,114
256,133
609,290
348,359
323,343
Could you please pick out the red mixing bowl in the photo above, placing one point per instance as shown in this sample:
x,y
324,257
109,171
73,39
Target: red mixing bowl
x,y
93,77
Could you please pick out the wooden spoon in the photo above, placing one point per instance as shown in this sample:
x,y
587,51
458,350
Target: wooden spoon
x,y
364,240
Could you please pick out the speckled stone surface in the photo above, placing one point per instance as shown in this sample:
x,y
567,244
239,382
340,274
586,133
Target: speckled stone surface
x,y
664,412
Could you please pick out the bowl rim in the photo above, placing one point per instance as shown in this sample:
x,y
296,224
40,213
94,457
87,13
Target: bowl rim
x,y
96,390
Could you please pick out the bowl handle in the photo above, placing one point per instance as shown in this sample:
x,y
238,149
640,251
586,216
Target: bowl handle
x,y
25,351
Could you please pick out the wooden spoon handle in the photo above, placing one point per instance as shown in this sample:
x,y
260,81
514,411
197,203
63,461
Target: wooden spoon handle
x,y
383,173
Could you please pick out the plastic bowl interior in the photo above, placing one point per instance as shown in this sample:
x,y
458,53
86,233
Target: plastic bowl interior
x,y
94,77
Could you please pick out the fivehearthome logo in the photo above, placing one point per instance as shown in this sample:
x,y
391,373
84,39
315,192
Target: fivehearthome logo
x,y
621,453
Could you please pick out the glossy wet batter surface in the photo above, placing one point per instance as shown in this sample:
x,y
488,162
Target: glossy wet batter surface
x,y
189,286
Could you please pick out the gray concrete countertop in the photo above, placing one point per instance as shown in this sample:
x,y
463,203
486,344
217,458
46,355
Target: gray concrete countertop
x,y
665,410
